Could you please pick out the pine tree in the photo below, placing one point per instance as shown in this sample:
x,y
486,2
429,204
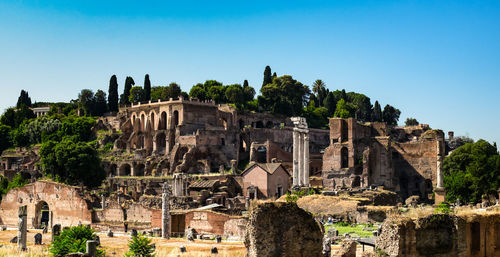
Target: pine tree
x,y
124,98
267,76
377,112
147,88
330,103
113,94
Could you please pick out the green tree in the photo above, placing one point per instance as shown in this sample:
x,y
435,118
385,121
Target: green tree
x,y
124,98
72,240
342,110
71,163
377,112
362,105
391,115
284,95
471,171
147,88
248,92
5,139
23,99
140,246
100,103
267,76
174,90
330,103
411,122
86,101
113,94
136,95
319,88
198,92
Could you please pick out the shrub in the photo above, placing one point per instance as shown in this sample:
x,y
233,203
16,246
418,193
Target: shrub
x,y
140,246
443,208
72,240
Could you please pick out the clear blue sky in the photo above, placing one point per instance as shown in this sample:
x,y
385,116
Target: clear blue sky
x,y
437,61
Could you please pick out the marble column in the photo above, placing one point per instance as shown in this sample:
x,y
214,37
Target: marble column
x,y
439,173
165,211
296,181
305,171
301,159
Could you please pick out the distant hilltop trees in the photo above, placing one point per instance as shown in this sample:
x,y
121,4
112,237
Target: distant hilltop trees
x,y
278,95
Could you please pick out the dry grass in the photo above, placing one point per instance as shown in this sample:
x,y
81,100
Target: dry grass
x,y
327,205
118,246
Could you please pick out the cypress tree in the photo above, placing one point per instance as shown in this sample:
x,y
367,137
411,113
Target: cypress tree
x,y
274,75
23,99
147,88
267,76
377,112
245,83
100,103
113,94
124,98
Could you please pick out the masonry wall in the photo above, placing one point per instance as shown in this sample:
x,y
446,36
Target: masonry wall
x,y
66,205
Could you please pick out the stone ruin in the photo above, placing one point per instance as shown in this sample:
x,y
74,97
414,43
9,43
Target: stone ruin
x,y
440,235
282,229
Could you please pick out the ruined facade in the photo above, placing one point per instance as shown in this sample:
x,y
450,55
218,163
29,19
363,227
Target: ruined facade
x,y
402,159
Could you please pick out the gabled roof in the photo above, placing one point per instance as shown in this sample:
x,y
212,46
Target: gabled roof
x,y
270,168
203,184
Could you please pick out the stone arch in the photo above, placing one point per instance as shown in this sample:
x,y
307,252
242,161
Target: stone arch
x,y
175,118
143,122
134,116
162,123
152,116
344,158
262,154
42,214
125,170
139,169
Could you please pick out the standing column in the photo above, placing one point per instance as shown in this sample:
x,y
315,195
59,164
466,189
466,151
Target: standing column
x,y
439,173
306,160
165,211
21,234
296,181
301,159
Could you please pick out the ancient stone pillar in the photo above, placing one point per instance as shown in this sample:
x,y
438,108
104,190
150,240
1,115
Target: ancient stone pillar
x,y
305,180
91,248
178,184
165,211
56,230
301,159
296,181
439,173
22,227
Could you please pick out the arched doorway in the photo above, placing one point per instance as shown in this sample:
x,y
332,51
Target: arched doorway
x,y
125,170
143,122
176,119
42,214
139,170
162,124
113,170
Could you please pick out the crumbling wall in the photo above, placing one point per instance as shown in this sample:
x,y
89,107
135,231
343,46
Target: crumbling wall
x,y
441,235
282,229
66,204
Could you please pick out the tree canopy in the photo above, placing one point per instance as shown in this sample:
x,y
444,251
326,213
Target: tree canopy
x,y
471,171
113,94
284,95
23,99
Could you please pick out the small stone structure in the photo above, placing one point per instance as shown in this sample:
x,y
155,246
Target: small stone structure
x,y
282,229
38,239
347,249
300,152
56,230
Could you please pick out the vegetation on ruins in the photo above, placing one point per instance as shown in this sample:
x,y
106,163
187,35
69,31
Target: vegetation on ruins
x,y
411,122
6,185
73,240
165,93
140,246
136,95
471,171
